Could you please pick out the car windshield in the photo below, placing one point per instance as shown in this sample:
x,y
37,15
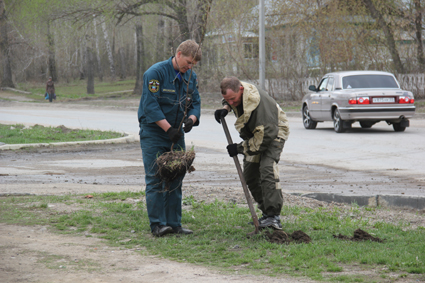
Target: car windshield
x,y
369,81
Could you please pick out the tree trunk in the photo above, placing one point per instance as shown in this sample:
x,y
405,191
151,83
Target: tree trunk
x,y
389,36
418,25
203,9
83,58
4,49
122,62
181,12
139,64
90,70
159,41
109,50
52,58
168,45
99,63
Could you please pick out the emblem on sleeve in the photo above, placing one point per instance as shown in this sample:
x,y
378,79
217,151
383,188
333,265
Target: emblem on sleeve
x,y
153,85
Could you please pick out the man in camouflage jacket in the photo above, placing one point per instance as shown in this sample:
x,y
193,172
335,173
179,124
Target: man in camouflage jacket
x,y
264,128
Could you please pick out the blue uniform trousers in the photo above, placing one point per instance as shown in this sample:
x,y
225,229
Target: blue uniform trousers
x,y
164,207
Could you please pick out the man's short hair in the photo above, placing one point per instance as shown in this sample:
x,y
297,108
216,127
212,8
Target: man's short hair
x,y
232,83
190,48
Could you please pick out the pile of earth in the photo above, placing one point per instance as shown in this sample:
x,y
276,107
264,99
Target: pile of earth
x,y
281,237
359,235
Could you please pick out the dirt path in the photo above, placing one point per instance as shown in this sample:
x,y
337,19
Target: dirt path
x,y
33,254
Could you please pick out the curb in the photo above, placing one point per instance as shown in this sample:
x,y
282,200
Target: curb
x,y
127,139
371,200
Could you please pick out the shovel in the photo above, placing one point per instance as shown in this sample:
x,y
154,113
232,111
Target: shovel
x,y
244,186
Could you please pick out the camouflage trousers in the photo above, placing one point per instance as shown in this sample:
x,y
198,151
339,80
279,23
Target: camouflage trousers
x,y
261,174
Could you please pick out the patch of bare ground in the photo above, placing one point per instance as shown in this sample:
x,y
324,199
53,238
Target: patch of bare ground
x,y
33,254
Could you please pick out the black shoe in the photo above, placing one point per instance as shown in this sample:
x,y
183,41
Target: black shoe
x,y
272,222
181,230
259,219
160,230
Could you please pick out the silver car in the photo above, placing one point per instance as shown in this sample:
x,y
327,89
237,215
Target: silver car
x,y
367,97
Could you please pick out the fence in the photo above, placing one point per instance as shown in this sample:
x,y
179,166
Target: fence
x,y
295,89
414,83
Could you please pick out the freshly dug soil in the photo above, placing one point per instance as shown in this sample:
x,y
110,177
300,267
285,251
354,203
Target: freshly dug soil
x,y
359,235
281,237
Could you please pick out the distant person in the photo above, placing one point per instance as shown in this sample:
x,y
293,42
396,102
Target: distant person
x,y
50,90
264,128
167,87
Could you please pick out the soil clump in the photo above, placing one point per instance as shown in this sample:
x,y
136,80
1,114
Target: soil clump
x,y
281,237
359,235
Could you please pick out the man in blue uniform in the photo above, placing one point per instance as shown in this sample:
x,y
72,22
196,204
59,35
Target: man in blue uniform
x,y
167,87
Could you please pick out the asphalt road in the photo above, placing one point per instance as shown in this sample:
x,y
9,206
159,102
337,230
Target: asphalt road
x,y
391,161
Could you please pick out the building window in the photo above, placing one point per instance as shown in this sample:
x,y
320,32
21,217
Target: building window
x,y
250,50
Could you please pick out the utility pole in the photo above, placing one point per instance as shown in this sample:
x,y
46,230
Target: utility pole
x,y
262,47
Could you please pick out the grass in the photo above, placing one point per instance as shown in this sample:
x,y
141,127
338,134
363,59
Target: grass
x,y
420,106
220,241
19,134
78,90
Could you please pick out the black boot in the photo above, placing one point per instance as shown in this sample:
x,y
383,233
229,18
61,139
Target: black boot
x,y
181,230
272,222
161,230
259,219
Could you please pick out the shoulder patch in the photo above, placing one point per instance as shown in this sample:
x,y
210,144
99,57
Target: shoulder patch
x,y
154,85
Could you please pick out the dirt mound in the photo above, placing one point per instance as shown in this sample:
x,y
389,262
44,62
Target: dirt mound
x,y
359,235
281,237
64,129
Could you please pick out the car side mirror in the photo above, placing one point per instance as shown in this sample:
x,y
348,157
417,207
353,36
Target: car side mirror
x,y
312,88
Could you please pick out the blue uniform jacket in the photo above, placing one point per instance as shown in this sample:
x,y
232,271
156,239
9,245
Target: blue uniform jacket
x,y
164,96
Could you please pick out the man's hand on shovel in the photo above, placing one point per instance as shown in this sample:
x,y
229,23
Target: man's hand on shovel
x,y
232,148
220,114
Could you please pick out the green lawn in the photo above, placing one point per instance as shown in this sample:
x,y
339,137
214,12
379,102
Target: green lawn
x,y
220,236
19,134
78,90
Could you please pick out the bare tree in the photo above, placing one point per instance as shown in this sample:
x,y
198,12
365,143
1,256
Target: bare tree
x,y
202,11
96,39
388,32
176,10
4,49
138,88
90,70
52,58
418,27
109,50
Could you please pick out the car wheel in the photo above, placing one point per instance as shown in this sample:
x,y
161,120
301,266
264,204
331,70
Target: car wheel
x,y
366,125
398,128
338,122
307,121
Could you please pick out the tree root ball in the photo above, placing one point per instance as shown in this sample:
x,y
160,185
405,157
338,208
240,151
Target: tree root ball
x,y
175,164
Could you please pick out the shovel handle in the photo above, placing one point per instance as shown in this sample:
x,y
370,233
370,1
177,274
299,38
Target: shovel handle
x,y
241,177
